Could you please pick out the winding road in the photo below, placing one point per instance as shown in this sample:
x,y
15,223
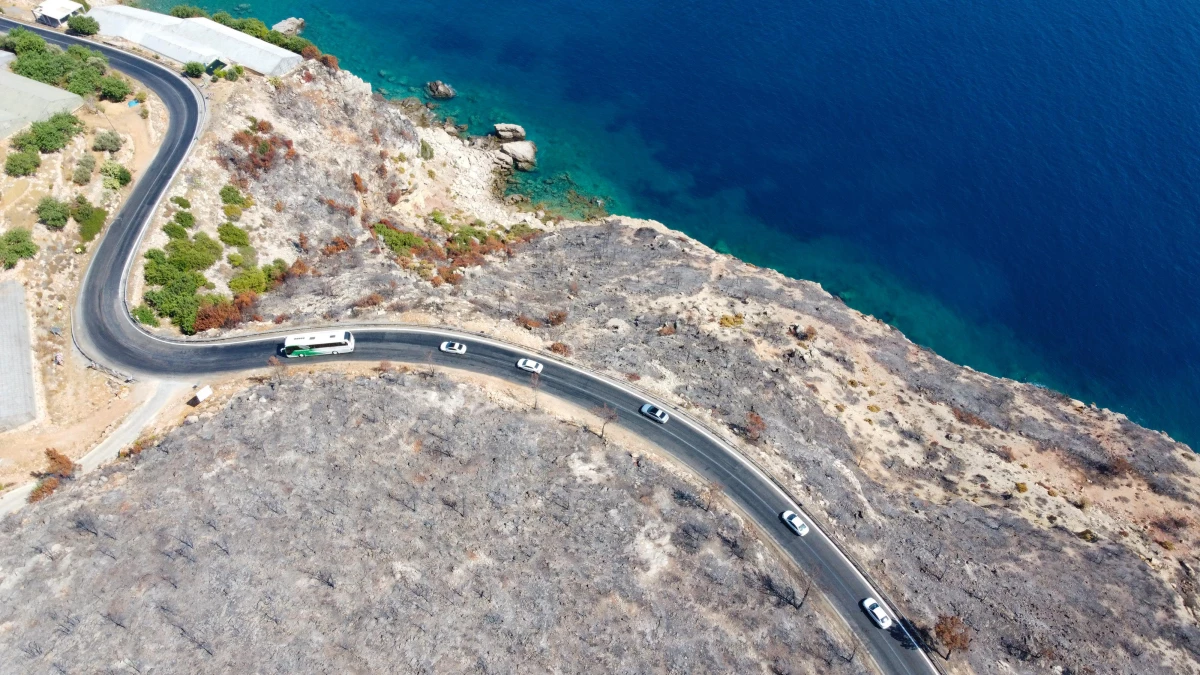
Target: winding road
x,y
104,331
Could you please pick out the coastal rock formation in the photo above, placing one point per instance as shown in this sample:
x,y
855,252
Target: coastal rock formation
x,y
289,26
510,132
439,89
523,153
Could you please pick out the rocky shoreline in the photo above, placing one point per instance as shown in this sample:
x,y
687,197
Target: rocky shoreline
x,y
948,485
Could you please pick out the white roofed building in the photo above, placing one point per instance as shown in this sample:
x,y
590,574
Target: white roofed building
x,y
24,101
196,39
56,12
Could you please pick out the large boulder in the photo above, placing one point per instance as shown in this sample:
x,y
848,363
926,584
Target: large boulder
x,y
289,26
523,153
439,89
510,132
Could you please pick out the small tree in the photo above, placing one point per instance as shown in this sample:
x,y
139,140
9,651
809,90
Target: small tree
x,y
113,88
607,414
952,633
53,213
83,25
107,141
193,69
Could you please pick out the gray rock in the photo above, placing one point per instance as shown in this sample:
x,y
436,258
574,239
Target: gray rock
x,y
439,89
289,26
510,132
523,153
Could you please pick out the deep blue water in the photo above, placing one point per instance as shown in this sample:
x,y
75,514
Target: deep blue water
x,y
1011,183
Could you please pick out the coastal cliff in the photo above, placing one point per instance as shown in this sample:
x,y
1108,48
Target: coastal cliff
x,y
1063,535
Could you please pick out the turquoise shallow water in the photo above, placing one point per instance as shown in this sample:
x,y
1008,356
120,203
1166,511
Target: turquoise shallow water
x,y
1010,185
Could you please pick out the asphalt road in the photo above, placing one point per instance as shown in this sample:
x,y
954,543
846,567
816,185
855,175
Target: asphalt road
x,y
105,332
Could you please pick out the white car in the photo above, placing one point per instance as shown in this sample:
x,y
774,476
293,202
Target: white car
x,y
530,365
875,611
794,523
453,348
655,413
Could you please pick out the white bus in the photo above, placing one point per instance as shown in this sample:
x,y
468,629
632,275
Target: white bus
x,y
315,344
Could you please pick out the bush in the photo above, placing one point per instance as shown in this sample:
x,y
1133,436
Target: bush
x,y
181,202
732,321
90,218
198,253
185,218
235,260
401,243
232,75
15,245
557,317
175,231
83,170
251,279
115,175
193,69
107,141
84,81
426,150
310,52
232,235
249,256
22,42
232,211
53,213
51,135
113,88
560,348
145,315
83,25
330,61
187,12
22,163
230,194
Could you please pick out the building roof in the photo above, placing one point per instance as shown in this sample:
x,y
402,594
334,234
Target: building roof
x,y
57,9
24,101
196,39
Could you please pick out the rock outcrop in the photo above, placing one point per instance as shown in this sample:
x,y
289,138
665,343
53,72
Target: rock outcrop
x,y
439,89
289,26
510,132
523,153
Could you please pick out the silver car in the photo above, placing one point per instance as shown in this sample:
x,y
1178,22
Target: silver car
x,y
655,413
530,365
879,617
453,348
794,523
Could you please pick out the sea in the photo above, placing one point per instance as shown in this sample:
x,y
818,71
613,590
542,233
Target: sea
x,y
1012,184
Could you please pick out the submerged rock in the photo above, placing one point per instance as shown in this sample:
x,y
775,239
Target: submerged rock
x,y
439,89
510,132
524,154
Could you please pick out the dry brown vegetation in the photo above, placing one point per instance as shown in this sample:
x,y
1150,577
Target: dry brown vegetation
x,y
398,523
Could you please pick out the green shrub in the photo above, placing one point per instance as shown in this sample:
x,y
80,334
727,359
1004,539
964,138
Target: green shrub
x,y
90,218
441,219
51,135
193,69
187,12
53,213
15,245
181,202
141,97
185,218
426,150
145,315
175,231
83,25
107,141
249,256
401,243
198,253
83,170
232,75
21,42
233,211
235,259
113,88
115,175
78,69
230,194
232,235
22,163
251,279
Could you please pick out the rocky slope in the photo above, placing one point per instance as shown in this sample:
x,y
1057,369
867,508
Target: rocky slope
x,y
1063,535
396,523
